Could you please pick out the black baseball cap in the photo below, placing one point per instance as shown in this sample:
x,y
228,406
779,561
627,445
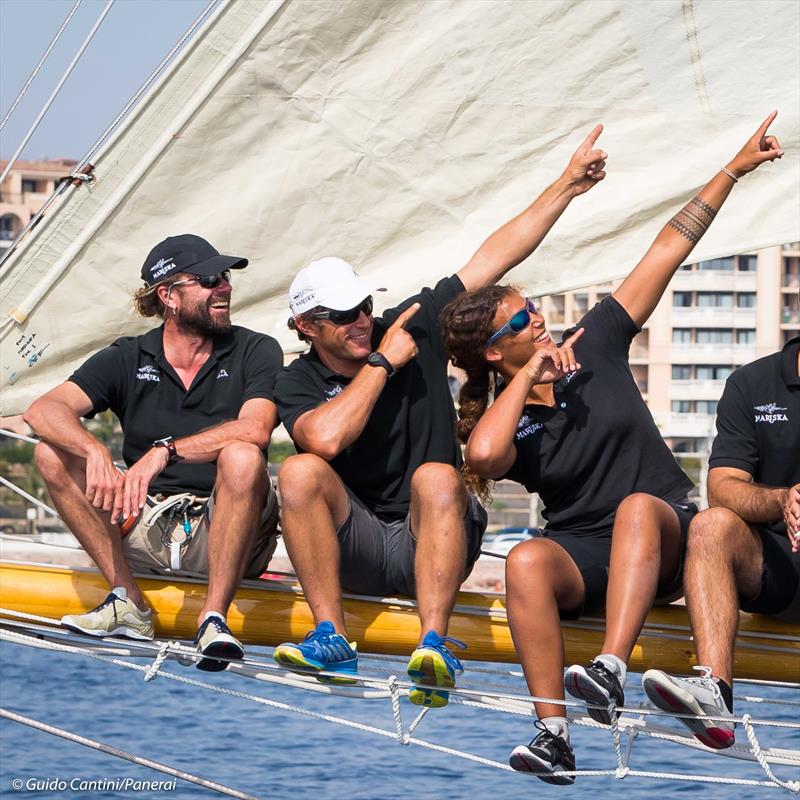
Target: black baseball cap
x,y
186,253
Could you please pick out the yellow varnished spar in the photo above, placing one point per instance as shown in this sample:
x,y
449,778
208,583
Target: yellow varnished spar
x,y
270,612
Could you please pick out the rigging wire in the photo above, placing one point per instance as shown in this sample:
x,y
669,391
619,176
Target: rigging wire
x,y
84,162
40,64
56,91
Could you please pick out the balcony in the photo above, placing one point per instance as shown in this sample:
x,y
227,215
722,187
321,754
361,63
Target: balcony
x,y
713,317
697,426
790,281
694,353
790,316
696,390
714,280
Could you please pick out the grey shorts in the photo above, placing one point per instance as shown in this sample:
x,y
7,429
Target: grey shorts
x,y
377,557
147,549
592,555
780,578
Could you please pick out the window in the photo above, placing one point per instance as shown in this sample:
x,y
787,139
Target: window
x,y
746,336
746,300
28,185
722,264
681,372
715,299
681,299
681,335
714,336
712,372
747,263
681,406
706,406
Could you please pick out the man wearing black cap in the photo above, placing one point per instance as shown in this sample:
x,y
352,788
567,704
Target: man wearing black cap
x,y
195,401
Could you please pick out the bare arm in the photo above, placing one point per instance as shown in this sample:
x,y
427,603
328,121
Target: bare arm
x,y
56,418
733,488
332,426
642,289
518,238
490,451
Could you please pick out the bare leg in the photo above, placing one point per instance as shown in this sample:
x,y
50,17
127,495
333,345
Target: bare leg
x,y
240,494
314,504
438,504
65,476
645,552
541,577
723,554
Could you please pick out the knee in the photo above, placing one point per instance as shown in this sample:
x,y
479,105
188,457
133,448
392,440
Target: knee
x,y
637,506
51,462
301,477
714,528
530,558
241,466
439,485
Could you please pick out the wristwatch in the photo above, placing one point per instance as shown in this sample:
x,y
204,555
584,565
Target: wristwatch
x,y
377,359
168,442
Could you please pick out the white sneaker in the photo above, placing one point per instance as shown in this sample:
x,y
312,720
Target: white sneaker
x,y
115,616
699,697
214,640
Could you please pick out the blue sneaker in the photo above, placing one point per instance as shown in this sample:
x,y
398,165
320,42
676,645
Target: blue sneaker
x,y
322,649
434,664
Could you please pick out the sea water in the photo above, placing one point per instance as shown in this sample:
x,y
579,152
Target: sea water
x,y
274,753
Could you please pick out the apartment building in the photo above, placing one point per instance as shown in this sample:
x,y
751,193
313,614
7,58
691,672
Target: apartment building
x,y
24,191
714,316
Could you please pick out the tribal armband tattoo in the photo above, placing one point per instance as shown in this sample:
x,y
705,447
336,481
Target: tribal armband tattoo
x,y
693,219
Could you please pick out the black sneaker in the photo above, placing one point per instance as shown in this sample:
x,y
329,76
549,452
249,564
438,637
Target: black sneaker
x,y
214,638
546,756
595,684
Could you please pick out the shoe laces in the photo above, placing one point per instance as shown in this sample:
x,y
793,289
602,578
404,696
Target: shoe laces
x,y
546,737
441,644
600,667
321,636
218,624
706,681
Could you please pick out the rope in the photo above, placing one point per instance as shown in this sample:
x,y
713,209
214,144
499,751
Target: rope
x,y
29,497
792,786
39,65
123,754
163,652
53,96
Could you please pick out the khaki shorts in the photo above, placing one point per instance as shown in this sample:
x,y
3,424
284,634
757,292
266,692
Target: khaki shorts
x,y
147,547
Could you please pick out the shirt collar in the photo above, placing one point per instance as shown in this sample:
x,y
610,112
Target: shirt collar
x,y
789,362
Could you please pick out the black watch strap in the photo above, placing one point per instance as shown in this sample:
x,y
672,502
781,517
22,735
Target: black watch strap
x,y
168,442
377,359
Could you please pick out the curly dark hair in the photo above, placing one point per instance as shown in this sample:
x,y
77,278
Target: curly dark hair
x,y
146,301
467,322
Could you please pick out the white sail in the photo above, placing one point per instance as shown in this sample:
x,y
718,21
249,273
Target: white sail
x,y
398,135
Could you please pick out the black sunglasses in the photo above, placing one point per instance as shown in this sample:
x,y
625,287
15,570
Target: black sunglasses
x,y
207,281
343,317
516,324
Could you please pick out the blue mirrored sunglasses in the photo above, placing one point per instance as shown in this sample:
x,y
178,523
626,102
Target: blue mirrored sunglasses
x,y
516,324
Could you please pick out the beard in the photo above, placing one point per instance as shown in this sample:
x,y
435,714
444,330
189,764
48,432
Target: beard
x,y
199,321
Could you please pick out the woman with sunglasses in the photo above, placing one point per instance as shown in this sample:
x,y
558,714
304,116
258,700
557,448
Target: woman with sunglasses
x,y
569,423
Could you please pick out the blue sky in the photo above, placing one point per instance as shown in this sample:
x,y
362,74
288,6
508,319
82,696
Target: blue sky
x,y
132,40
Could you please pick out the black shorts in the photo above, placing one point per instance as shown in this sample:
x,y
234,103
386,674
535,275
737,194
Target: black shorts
x,y
591,552
377,557
780,578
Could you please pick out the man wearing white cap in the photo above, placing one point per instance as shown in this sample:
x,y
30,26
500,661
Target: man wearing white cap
x,y
374,502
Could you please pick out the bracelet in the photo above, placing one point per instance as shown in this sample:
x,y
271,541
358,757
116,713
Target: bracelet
x,y
730,174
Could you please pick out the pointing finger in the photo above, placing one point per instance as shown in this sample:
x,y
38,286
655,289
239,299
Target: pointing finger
x,y
592,137
765,124
574,338
402,319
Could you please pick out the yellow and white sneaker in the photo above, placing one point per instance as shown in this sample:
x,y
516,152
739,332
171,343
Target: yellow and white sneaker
x,y
115,616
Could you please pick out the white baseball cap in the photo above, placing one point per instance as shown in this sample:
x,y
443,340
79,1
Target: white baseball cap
x,y
330,282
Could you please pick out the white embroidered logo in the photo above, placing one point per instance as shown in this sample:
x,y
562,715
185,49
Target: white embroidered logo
x,y
770,413
148,373
223,373
332,392
162,266
525,427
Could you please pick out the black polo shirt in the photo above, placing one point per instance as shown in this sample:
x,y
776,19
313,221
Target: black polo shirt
x,y
758,421
599,444
413,421
133,378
